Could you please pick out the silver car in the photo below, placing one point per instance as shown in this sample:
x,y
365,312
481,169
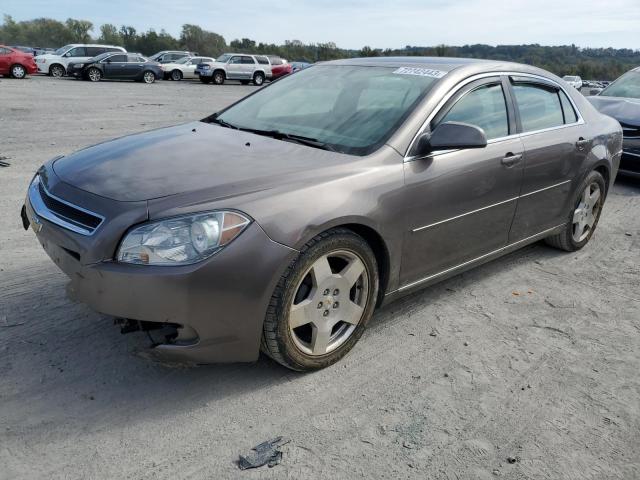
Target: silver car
x,y
235,66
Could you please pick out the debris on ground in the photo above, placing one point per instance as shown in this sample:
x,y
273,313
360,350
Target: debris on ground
x,y
513,459
3,161
267,453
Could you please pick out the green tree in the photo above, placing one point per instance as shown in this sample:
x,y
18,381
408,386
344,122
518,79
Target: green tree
x,y
79,30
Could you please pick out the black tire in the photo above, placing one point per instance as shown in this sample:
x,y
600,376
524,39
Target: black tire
x,y
176,75
218,77
94,74
57,70
205,80
565,239
277,341
258,79
18,71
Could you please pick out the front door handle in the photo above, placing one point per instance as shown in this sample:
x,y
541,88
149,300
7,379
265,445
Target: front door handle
x,y
510,159
581,143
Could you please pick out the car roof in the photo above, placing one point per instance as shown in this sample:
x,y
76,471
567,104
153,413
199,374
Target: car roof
x,y
445,64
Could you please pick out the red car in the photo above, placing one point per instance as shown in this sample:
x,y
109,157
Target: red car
x,y
16,63
279,67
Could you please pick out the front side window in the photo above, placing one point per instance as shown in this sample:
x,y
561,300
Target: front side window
x,y
62,50
235,60
77,52
4,51
484,107
352,109
117,58
627,86
539,106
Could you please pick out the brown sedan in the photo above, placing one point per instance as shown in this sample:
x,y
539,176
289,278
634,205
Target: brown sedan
x,y
281,222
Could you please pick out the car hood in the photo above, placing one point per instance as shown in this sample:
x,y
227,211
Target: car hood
x,y
187,158
625,110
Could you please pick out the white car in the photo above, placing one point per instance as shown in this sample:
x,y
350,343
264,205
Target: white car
x,y
573,80
183,68
55,64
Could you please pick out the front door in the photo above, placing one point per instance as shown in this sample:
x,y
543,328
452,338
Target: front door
x,y
115,66
460,204
234,68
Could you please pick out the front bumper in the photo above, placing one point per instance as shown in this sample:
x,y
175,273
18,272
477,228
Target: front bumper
x,y
204,73
222,300
630,161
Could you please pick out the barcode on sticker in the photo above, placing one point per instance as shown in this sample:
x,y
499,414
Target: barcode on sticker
x,y
423,72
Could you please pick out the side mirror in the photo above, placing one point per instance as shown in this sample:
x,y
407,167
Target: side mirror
x,y
450,136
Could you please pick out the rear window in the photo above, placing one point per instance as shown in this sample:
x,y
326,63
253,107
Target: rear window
x,y
539,106
570,115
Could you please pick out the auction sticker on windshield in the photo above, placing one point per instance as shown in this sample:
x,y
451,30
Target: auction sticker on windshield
x,y
423,72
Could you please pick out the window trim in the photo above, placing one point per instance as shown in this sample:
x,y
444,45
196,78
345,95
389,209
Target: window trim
x,y
505,75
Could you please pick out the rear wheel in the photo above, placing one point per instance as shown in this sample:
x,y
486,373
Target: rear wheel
x,y
583,218
218,77
56,71
18,71
148,77
258,78
94,74
322,303
176,75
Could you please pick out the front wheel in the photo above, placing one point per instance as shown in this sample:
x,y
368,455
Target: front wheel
x,y
94,74
218,77
57,71
258,78
148,77
583,218
322,302
18,71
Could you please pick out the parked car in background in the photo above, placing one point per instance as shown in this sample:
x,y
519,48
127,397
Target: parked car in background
x,y
297,66
16,63
574,81
621,100
281,222
183,68
235,66
279,67
117,66
28,50
168,56
55,64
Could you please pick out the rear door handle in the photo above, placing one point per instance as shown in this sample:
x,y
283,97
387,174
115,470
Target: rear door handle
x,y
581,143
510,159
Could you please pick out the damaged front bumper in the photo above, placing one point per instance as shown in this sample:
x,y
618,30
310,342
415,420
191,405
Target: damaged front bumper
x,y
218,304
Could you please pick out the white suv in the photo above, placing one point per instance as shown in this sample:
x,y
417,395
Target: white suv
x,y
235,66
574,81
55,64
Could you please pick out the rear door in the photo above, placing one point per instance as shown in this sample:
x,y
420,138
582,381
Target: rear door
x,y
556,143
248,67
133,67
460,203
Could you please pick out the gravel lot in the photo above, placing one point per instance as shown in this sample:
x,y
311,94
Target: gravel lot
x,y
527,367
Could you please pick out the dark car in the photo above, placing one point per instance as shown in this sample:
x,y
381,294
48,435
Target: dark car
x,y
117,66
280,223
16,63
621,100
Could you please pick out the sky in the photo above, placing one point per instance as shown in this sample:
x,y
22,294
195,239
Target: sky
x,y
356,23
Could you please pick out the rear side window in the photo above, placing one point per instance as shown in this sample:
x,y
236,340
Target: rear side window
x,y
5,51
112,49
95,51
570,115
539,106
484,107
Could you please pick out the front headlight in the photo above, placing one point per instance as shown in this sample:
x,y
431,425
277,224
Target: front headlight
x,y
181,240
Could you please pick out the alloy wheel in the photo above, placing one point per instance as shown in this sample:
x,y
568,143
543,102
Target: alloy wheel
x,y
94,75
218,78
18,71
176,75
586,212
149,77
57,71
329,302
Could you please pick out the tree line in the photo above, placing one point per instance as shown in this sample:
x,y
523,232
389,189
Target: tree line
x,y
589,63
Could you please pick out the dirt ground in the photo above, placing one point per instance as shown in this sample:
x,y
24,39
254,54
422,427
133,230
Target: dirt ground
x,y
525,368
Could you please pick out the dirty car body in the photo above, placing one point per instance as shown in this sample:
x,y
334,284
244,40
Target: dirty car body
x,y
427,215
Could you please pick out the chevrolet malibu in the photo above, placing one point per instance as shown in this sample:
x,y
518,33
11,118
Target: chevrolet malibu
x,y
281,222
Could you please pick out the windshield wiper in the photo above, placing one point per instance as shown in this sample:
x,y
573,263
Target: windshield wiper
x,y
222,123
292,137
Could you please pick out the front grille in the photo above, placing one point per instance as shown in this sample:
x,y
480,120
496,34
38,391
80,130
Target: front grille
x,y
630,131
69,213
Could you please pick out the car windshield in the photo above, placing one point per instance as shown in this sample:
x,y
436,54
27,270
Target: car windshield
x,y
223,58
628,86
62,50
348,109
